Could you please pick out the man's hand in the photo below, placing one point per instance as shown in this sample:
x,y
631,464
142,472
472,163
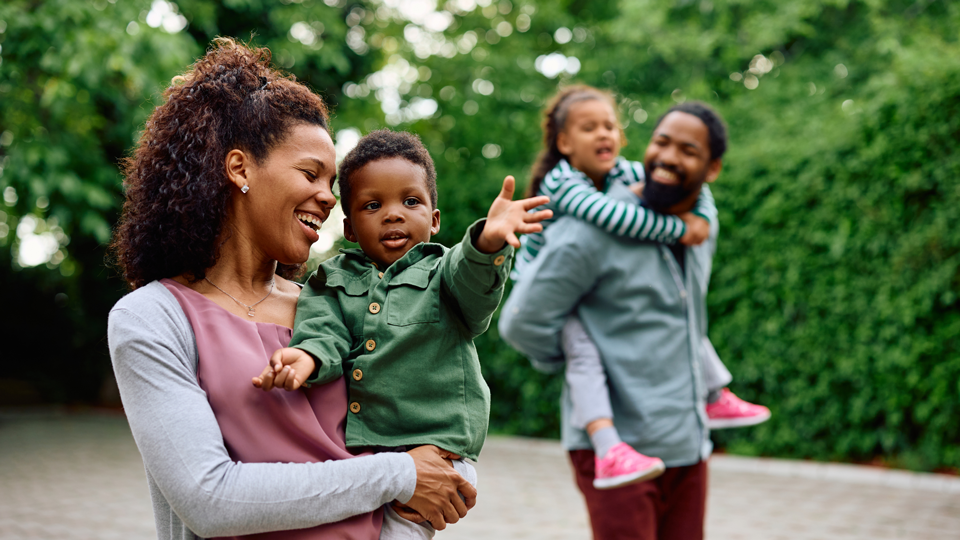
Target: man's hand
x,y
507,218
698,229
289,368
437,495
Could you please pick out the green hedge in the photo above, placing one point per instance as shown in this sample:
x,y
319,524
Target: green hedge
x,y
834,293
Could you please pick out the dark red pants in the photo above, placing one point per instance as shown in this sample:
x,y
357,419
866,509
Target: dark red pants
x,y
670,507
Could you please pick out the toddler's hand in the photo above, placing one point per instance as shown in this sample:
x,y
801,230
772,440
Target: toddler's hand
x,y
698,229
289,368
637,189
508,217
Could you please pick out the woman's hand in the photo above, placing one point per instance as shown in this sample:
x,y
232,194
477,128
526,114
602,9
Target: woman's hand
x,y
437,495
507,218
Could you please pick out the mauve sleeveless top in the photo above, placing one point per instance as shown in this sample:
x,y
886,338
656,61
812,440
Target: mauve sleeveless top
x,y
268,427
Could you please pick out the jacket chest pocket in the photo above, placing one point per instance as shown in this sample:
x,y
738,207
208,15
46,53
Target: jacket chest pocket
x,y
410,300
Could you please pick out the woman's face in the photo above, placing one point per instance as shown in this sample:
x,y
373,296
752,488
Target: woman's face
x,y
290,195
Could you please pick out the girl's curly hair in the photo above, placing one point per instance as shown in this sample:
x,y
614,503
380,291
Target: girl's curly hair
x,y
176,185
554,121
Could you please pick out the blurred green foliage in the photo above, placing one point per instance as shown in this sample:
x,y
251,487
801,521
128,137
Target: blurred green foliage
x,y
834,298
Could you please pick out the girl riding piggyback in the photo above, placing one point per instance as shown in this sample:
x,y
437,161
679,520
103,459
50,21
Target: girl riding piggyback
x,y
579,162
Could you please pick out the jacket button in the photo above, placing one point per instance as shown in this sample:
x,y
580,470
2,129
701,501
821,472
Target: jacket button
x,y
371,345
357,374
374,308
499,260
354,407
381,275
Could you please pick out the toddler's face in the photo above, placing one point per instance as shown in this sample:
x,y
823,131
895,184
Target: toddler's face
x,y
390,210
591,138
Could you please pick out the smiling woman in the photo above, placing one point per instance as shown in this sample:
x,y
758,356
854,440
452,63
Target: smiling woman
x,y
225,193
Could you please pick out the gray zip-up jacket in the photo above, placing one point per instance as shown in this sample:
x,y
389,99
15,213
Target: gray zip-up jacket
x,y
197,490
647,318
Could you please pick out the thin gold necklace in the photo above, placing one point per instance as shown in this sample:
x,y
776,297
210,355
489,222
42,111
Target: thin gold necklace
x,y
251,310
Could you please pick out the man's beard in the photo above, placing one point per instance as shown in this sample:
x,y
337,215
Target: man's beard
x,y
663,197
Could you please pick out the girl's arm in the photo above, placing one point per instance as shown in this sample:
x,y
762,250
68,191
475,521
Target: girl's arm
x,y
706,207
574,194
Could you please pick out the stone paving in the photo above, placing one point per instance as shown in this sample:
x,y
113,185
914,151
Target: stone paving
x,y
79,476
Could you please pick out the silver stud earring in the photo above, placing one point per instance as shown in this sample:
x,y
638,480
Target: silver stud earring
x,y
245,189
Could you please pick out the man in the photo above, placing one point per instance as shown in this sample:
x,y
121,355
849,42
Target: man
x,y
644,305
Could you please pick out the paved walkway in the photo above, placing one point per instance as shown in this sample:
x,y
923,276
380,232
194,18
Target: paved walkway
x,y
79,476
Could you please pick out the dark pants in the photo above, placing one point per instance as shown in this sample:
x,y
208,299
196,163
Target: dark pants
x,y
670,507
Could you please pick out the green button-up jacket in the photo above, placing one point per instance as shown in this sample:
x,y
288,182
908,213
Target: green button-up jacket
x,y
403,337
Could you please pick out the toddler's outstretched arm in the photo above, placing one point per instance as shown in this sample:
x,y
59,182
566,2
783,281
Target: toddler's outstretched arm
x,y
289,368
507,218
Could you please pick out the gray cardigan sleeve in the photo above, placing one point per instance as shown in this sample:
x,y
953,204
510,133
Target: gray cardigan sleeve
x,y
192,479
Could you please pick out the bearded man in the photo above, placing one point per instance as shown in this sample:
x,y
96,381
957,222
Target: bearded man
x,y
644,305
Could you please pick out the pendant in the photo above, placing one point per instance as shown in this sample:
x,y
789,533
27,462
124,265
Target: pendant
x,y
251,313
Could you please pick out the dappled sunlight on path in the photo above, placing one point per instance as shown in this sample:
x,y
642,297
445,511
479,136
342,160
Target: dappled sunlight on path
x,y
79,476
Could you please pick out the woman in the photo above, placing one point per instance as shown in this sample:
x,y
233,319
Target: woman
x,y
224,193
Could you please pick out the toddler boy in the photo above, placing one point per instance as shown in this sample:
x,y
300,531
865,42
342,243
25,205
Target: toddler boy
x,y
398,316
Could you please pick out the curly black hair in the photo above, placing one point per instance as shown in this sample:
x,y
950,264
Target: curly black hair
x,y
716,128
384,144
176,187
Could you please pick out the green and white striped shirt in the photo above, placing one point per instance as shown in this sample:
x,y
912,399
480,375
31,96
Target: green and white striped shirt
x,y
572,193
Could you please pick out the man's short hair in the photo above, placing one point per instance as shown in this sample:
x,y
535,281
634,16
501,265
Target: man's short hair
x,y
716,128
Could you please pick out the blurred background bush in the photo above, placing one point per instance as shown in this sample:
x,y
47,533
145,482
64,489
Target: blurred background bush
x,y
834,297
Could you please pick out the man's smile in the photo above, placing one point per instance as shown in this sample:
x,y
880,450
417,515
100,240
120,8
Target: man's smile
x,y
666,176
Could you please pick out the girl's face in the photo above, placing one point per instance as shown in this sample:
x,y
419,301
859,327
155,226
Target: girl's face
x,y
290,194
591,138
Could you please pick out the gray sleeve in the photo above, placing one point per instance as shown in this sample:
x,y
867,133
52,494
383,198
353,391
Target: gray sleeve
x,y
154,356
548,292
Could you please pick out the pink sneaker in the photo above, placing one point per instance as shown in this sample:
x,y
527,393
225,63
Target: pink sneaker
x,y
623,465
730,411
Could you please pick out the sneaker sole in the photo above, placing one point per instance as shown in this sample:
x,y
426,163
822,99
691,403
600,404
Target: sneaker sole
x,y
627,479
724,423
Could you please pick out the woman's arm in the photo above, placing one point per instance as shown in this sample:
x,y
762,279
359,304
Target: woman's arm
x,y
154,357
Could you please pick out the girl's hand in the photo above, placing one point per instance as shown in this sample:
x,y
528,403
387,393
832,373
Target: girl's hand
x,y
508,217
289,368
698,229
437,495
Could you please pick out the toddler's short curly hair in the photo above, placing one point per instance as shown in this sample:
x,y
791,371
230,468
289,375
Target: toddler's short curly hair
x,y
385,144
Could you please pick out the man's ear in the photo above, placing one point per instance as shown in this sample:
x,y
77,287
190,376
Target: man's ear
x,y
435,224
713,170
348,232
563,143
238,165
